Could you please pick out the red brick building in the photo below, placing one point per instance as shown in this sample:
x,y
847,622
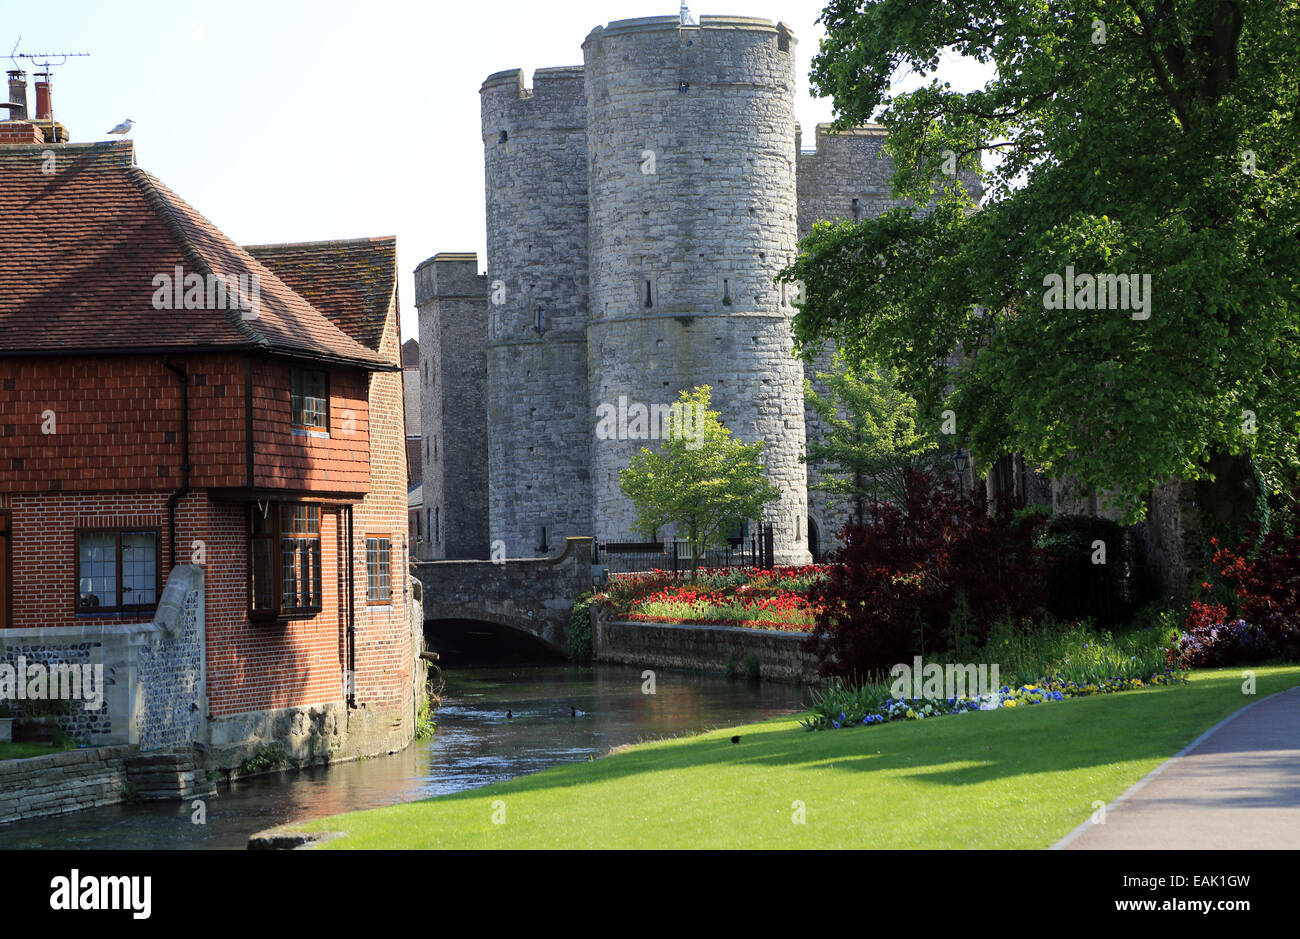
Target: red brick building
x,y
170,398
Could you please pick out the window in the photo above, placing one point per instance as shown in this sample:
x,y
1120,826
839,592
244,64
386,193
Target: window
x,y
284,560
309,400
379,570
437,525
117,571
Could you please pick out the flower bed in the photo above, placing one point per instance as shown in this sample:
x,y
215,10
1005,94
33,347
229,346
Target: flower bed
x,y
757,599
847,707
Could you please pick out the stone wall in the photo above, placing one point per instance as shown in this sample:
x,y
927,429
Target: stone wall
x,y
701,648
844,176
21,648
170,667
63,782
1173,541
71,780
152,672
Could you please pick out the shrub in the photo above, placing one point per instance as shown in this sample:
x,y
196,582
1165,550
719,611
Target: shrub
x,y
1210,645
580,638
1264,574
1077,587
902,580
1262,580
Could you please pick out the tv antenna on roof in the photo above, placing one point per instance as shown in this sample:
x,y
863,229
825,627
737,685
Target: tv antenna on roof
x,y
44,61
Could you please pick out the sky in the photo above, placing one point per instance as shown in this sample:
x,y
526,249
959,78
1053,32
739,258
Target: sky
x,y
284,120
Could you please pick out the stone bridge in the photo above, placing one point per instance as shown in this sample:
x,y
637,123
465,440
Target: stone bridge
x,y
527,598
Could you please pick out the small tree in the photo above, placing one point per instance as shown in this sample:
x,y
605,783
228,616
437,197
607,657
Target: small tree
x,y
702,480
871,440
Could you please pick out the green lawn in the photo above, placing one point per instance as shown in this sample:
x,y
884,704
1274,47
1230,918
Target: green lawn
x,y
20,751
1013,778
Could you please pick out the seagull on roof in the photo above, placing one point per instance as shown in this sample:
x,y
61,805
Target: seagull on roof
x,y
124,127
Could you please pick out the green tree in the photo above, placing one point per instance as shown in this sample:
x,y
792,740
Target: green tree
x,y
703,479
1154,138
870,440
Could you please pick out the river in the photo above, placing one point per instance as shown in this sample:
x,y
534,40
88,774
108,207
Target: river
x,y
475,744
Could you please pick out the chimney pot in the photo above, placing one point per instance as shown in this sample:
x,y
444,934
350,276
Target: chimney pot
x,y
18,94
42,83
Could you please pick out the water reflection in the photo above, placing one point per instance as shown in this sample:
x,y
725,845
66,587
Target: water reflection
x,y
476,744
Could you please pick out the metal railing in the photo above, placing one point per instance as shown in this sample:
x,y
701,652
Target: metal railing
x,y
754,550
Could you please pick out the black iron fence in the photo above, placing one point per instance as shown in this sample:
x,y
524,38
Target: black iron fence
x,y
757,549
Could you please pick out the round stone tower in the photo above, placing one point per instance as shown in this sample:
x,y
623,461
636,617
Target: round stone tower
x,y
538,426
693,211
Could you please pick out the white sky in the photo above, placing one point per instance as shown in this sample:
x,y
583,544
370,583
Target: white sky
x,y
287,120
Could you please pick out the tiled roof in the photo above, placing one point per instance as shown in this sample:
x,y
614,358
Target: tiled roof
x,y
80,248
352,282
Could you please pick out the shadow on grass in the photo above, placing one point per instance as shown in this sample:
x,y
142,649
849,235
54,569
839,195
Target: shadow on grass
x,y
1099,731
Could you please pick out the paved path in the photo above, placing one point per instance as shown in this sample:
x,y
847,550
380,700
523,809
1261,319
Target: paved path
x,y
1236,786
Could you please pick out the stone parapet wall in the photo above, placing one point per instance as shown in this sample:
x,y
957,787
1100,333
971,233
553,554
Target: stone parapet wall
x,y
701,648
153,681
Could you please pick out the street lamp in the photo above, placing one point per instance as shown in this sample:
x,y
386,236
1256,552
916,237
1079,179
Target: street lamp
x,y
960,460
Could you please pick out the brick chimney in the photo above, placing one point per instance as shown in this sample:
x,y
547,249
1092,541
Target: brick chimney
x,y
15,128
18,133
43,96
17,95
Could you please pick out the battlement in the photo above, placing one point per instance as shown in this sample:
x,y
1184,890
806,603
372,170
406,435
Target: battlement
x,y
449,275
826,138
555,103
511,81
646,24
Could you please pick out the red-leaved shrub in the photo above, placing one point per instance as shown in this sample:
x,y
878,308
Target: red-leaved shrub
x,y
1263,573
894,583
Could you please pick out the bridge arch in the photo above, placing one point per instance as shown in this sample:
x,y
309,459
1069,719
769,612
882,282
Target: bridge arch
x,y
531,596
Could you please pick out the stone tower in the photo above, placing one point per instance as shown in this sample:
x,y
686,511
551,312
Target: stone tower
x,y
639,208
538,418
452,299
691,159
